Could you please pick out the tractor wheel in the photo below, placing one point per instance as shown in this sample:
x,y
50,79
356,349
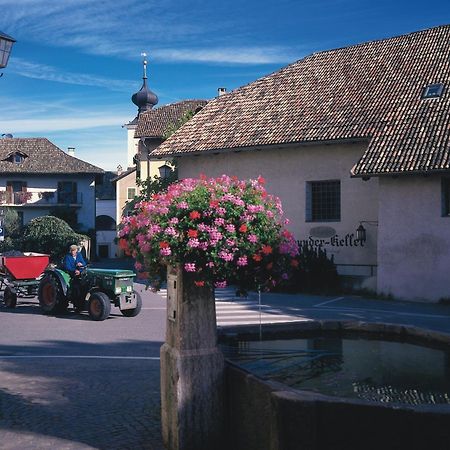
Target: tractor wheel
x,y
133,312
99,306
50,295
10,297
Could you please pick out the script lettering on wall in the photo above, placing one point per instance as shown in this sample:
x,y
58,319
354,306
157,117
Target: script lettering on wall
x,y
334,241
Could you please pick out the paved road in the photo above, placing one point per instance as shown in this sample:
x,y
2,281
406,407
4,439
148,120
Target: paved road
x,y
70,383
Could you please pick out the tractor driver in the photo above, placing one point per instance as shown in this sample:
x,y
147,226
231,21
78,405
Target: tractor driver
x,y
74,261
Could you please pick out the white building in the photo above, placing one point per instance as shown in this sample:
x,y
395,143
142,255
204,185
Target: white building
x,y
356,137
37,178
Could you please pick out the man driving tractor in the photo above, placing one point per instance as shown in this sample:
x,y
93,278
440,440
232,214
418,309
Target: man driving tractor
x,y
73,262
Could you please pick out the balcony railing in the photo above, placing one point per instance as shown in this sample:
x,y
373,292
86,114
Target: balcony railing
x,y
41,198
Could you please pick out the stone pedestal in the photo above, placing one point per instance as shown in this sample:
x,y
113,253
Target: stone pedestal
x,y
192,368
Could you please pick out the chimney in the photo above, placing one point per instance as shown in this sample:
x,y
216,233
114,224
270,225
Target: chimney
x,y
71,151
221,91
119,169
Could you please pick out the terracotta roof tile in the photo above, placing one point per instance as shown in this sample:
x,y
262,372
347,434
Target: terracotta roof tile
x,y
155,122
371,90
43,157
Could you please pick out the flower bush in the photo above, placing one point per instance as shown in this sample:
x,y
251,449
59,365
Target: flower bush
x,y
222,231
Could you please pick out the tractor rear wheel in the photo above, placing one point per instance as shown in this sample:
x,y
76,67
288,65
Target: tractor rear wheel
x,y
133,312
51,297
10,297
99,306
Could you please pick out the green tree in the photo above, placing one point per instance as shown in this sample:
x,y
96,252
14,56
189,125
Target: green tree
x,y
50,235
12,230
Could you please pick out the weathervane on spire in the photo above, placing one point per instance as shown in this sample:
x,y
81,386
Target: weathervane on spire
x,y
144,62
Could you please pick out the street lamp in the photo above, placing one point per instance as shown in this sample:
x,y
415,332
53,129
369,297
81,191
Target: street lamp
x,y
6,43
165,171
361,231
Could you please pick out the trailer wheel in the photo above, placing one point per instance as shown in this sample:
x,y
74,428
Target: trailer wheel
x,y
10,297
99,306
133,312
51,297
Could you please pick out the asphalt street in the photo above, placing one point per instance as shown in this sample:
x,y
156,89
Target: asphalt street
x,y
67,382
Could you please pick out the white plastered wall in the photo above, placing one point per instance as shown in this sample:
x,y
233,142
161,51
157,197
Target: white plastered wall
x,y
286,172
414,239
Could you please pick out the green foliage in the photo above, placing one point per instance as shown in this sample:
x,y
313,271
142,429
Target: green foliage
x,y
13,230
173,127
50,235
316,272
151,186
66,213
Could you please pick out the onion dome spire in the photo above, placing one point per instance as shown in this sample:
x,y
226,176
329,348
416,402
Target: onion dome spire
x,y
144,99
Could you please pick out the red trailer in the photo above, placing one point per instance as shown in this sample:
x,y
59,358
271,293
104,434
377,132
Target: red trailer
x,y
20,275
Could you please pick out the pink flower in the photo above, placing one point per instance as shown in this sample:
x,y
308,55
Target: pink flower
x,y
220,284
253,238
165,251
227,256
193,243
183,205
189,267
242,261
230,228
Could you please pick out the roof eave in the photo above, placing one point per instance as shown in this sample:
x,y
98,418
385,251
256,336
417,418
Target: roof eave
x,y
399,173
181,153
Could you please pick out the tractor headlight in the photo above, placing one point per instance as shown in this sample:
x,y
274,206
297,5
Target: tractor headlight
x,y
118,290
129,288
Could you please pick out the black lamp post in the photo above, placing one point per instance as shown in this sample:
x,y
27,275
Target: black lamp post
x,y
6,43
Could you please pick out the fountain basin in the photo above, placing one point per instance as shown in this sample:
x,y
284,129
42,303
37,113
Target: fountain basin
x,y
265,413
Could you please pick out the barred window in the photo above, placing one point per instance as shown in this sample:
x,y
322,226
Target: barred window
x,y
323,201
446,196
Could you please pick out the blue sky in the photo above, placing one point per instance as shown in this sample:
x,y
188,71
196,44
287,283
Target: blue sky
x,y
76,63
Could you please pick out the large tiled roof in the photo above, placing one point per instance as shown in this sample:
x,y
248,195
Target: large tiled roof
x,y
370,91
154,123
41,156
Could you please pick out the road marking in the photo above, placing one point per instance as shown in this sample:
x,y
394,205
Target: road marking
x,y
330,301
151,358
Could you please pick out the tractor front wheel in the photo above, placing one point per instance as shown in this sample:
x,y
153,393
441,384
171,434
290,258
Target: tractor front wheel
x,y
51,297
10,297
99,306
135,311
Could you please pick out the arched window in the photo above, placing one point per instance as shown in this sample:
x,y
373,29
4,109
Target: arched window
x,y
105,223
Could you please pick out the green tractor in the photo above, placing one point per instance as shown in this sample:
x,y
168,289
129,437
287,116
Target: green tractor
x,y
94,290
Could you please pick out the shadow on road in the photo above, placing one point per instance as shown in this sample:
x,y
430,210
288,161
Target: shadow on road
x,y
86,399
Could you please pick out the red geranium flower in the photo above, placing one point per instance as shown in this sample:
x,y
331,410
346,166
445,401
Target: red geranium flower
x,y
163,244
194,215
266,249
257,257
199,283
192,233
243,228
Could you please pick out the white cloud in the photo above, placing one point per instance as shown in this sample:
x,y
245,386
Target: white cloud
x,y
62,123
125,28
45,72
238,55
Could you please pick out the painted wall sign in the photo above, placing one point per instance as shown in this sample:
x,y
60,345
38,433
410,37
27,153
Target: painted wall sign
x,y
322,232
334,241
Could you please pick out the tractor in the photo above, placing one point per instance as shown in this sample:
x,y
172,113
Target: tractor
x,y
94,290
